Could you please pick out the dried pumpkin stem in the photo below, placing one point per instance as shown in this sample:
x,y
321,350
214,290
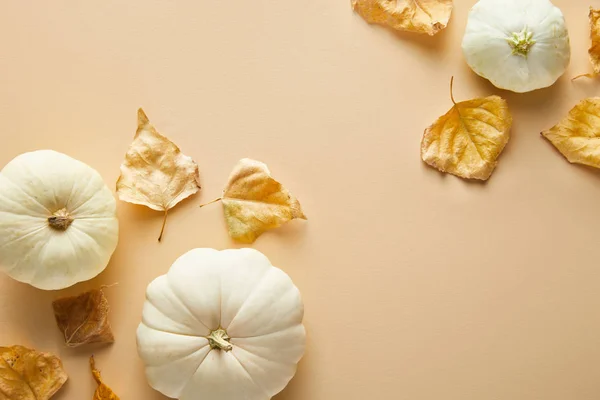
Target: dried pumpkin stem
x,y
60,220
162,229
218,339
210,202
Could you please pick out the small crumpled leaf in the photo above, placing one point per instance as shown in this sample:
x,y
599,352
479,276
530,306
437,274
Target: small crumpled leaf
x,y
420,16
103,392
83,319
467,140
254,202
27,374
155,173
577,136
594,50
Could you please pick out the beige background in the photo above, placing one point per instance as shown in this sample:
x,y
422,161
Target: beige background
x,y
417,286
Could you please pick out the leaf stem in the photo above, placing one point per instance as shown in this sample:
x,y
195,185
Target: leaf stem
x,y
162,230
452,90
591,76
210,202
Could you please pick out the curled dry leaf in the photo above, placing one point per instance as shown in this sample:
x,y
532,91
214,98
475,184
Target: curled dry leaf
x,y
254,202
155,173
420,16
83,319
594,50
26,374
577,136
467,140
103,392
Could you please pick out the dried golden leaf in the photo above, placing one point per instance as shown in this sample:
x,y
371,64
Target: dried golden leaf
x,y
26,374
83,319
468,139
577,136
594,50
421,16
254,202
103,392
155,173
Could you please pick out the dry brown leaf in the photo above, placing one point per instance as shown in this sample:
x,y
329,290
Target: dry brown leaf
x,y
27,374
468,139
254,202
594,50
421,16
103,392
577,136
83,319
155,173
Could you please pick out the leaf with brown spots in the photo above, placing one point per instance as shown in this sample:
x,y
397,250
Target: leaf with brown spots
x,y
27,374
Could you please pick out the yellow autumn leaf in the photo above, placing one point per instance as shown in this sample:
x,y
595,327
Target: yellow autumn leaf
x,y
155,173
467,140
27,374
594,50
420,16
254,202
577,136
103,392
83,319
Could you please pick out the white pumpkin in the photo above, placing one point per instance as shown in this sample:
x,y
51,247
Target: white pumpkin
x,y
58,223
221,325
519,45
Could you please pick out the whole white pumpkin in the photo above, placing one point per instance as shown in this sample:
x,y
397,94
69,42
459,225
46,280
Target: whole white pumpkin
x,y
519,45
221,325
58,223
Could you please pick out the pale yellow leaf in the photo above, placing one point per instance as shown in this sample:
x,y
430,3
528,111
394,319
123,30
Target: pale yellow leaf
x,y
83,319
421,16
594,50
577,136
254,202
103,392
467,140
27,374
155,173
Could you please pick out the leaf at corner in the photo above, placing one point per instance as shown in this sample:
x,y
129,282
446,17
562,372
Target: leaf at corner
x,y
103,392
27,374
467,140
83,319
420,16
155,173
577,136
254,202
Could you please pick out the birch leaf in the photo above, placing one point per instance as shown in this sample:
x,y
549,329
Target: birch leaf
x,y
420,16
467,140
155,173
577,136
594,50
103,392
26,374
83,319
254,202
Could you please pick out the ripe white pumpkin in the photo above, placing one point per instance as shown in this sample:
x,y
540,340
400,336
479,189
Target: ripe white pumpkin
x,y
58,223
221,325
519,45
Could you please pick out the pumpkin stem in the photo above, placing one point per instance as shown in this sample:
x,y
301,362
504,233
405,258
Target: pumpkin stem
x,y
521,42
60,220
218,339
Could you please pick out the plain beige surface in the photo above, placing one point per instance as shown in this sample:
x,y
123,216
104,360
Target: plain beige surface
x,y
417,286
